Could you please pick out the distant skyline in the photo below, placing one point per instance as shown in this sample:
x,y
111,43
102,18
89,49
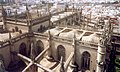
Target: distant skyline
x,y
75,1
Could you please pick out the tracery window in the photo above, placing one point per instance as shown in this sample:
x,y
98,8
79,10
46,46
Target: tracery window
x,y
86,61
61,52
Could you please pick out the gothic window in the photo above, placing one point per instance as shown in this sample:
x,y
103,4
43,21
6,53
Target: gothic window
x,y
20,31
16,28
22,49
86,61
2,62
59,22
39,47
77,18
61,52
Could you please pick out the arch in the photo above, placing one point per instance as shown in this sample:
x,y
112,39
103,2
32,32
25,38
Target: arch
x,y
16,29
2,62
39,47
61,52
1,57
23,49
85,60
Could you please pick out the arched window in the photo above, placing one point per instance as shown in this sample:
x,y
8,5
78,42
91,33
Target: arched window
x,y
85,60
59,22
16,29
61,52
41,28
2,62
39,47
22,49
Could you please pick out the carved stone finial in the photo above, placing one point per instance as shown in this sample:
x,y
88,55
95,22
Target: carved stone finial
x,y
74,38
10,35
102,39
49,35
10,38
3,11
27,7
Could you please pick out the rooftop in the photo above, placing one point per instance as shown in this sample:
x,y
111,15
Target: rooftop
x,y
70,33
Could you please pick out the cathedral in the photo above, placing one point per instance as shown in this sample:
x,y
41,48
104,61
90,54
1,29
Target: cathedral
x,y
65,41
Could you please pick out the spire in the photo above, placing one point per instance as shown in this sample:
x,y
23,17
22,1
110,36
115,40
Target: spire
x,y
4,14
15,16
28,13
73,6
10,36
90,15
38,11
49,57
101,55
32,54
27,8
74,38
3,11
29,19
49,34
73,64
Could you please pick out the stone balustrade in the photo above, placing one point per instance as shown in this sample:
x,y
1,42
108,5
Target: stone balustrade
x,y
13,40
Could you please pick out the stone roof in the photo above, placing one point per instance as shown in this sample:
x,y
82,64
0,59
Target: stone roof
x,y
69,33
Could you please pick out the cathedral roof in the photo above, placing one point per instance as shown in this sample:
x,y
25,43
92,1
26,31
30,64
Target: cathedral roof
x,y
69,33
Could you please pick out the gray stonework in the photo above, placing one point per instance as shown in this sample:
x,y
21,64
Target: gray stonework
x,y
59,45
